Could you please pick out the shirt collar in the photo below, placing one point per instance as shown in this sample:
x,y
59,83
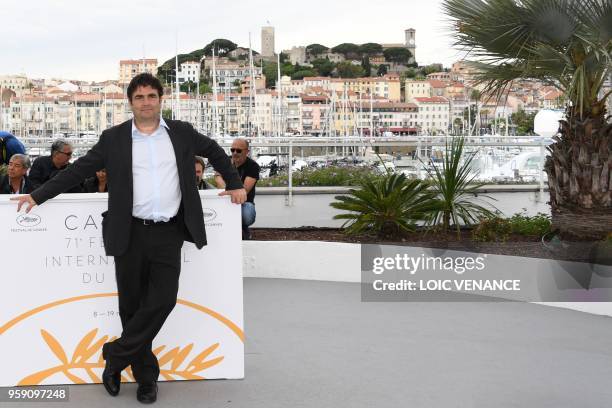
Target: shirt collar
x,y
21,188
162,122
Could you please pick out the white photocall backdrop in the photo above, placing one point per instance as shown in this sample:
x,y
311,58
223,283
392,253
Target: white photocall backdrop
x,y
59,303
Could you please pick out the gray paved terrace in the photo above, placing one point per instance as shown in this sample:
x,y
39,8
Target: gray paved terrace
x,y
315,344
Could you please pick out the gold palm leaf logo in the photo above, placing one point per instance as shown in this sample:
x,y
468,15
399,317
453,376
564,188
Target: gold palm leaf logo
x,y
170,362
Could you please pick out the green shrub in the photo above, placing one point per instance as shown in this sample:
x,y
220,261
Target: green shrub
x,y
327,176
536,225
497,229
494,229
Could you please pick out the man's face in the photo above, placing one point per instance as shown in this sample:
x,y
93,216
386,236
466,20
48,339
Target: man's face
x,y
199,171
16,169
146,104
239,152
62,157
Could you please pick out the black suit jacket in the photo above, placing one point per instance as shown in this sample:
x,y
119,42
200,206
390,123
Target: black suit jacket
x,y
5,186
113,151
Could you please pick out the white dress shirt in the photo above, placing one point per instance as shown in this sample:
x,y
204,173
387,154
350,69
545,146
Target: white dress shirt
x,y
157,194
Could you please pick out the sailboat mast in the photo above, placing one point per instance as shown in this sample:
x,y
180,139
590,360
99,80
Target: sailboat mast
x,y
251,89
215,102
280,97
176,80
371,115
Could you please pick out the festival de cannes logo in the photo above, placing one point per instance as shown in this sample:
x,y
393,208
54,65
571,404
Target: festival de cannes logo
x,y
37,349
28,220
88,356
209,214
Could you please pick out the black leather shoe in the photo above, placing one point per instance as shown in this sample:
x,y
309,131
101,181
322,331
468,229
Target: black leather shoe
x,y
111,380
147,392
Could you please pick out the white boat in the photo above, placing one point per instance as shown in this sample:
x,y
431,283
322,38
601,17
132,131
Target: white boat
x,y
524,167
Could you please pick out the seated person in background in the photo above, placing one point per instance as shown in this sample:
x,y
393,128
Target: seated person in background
x,y
273,168
96,184
200,165
9,145
16,180
47,167
248,169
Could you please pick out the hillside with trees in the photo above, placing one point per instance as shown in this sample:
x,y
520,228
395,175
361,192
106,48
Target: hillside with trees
x,y
221,46
357,62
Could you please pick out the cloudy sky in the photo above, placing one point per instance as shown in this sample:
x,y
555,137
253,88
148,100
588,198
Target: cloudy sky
x,y
84,40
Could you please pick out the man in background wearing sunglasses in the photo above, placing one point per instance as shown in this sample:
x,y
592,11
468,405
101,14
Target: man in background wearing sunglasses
x,y
47,167
248,169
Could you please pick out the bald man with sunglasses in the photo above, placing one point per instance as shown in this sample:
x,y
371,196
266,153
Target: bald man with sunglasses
x,y
248,170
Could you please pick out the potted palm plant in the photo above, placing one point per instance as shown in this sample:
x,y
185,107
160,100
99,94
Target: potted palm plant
x,y
388,206
566,44
456,198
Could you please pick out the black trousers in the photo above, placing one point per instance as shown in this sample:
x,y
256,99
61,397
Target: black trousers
x,y
147,280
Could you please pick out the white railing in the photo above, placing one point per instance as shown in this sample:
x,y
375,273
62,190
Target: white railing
x,y
355,146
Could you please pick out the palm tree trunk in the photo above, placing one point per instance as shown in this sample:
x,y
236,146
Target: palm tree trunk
x,y
580,180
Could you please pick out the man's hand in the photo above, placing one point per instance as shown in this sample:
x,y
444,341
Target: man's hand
x,y
23,199
238,196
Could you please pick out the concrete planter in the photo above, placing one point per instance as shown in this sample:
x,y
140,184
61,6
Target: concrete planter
x,y
310,206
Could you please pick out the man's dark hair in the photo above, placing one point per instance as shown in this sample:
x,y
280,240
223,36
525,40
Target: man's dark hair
x,y
144,79
58,145
199,159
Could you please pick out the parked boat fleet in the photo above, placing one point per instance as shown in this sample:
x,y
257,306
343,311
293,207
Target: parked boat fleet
x,y
497,160
490,164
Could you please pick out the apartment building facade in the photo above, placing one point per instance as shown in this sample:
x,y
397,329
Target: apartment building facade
x,y
128,69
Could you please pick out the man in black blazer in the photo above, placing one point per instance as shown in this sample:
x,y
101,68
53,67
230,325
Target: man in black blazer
x,y
153,206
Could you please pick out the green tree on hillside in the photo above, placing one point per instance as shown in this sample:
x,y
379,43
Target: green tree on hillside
x,y
430,69
397,54
523,122
410,73
370,49
205,88
323,66
365,64
221,46
349,50
191,87
348,70
316,49
188,87
382,70
271,72
303,73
